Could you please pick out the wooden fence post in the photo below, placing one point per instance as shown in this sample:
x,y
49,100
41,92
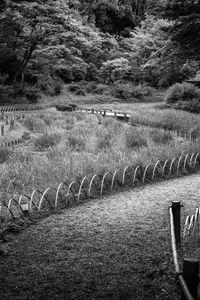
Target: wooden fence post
x,y
2,130
176,209
12,122
191,276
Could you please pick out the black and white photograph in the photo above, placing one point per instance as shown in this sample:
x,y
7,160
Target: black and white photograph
x,y
99,149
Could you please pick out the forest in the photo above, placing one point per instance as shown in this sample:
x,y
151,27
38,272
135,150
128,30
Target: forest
x,y
123,48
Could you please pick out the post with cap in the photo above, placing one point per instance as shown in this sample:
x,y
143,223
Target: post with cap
x,y
176,210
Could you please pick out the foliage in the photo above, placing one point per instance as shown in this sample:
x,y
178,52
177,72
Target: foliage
x,y
182,92
92,44
160,136
114,69
185,31
128,91
134,138
192,106
104,138
46,140
76,142
184,96
35,123
4,155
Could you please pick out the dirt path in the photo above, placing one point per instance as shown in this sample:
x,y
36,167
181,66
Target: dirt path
x,y
116,247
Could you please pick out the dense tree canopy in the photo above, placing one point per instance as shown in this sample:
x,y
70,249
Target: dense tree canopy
x,y
45,43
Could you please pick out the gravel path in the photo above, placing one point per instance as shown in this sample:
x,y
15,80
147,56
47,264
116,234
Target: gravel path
x,y
116,247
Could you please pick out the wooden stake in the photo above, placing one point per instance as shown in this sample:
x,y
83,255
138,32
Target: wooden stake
x,y
176,209
2,130
191,276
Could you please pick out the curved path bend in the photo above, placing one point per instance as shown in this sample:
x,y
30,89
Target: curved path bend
x,y
116,247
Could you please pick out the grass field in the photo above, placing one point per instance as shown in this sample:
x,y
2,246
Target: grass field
x,y
68,146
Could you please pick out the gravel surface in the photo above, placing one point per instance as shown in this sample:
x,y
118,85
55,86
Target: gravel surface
x,y
116,247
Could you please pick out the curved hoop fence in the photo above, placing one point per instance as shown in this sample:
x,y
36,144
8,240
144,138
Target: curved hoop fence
x,y
64,194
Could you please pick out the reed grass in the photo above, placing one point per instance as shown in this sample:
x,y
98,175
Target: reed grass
x,y
87,147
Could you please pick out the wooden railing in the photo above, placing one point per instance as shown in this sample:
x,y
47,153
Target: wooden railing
x,y
189,277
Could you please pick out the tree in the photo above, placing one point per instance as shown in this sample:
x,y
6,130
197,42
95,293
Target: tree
x,y
114,69
186,30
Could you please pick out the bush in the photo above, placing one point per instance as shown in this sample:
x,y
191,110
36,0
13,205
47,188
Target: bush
x,y
76,142
47,140
50,86
160,136
192,106
47,119
104,138
112,125
57,89
80,116
32,93
4,155
182,92
69,120
195,132
135,139
34,123
127,91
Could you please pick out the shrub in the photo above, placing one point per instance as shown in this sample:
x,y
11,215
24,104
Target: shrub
x,y
57,89
34,123
182,92
90,86
160,136
112,125
50,86
32,93
46,140
80,116
195,132
192,106
127,90
104,138
76,142
4,155
47,119
135,139
69,120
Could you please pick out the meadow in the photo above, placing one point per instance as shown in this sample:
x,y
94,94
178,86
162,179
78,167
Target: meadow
x,y
66,146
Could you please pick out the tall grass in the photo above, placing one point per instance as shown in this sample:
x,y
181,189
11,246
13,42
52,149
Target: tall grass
x,y
88,148
35,123
166,119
